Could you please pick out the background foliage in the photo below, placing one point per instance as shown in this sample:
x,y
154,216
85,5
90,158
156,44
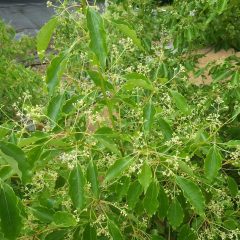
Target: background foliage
x,y
16,79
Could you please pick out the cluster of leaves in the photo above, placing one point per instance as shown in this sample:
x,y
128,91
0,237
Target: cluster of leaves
x,y
15,78
129,148
205,22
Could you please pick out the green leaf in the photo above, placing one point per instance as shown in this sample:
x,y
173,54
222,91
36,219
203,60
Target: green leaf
x,y
121,188
165,129
148,116
44,36
231,224
186,233
163,203
184,167
97,34
163,70
55,71
221,6
56,235
76,187
18,156
99,80
89,233
6,172
232,143
43,214
134,192
54,108
175,214
150,201
213,163
128,31
108,143
232,186
92,177
118,168
189,33
235,78
114,231
64,219
145,176
192,193
221,75
137,80
180,102
134,83
156,237
11,222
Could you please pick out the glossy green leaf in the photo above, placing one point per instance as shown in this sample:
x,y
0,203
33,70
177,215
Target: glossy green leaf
x,y
16,154
163,70
55,71
175,214
189,33
43,214
236,78
89,233
163,203
56,235
145,176
6,172
99,80
184,167
97,34
180,102
54,108
213,163
64,219
222,75
11,221
148,116
118,168
150,201
137,80
232,186
121,187
165,128
108,143
92,177
186,233
192,193
45,34
76,187
114,231
134,192
233,143
222,5
231,224
128,31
